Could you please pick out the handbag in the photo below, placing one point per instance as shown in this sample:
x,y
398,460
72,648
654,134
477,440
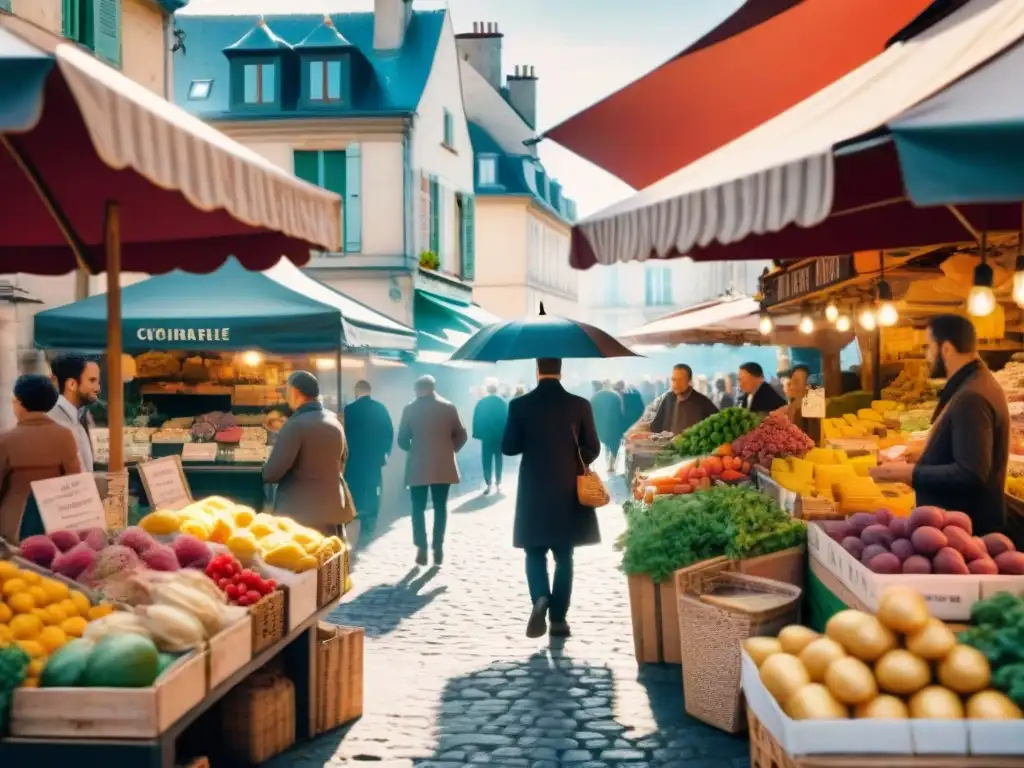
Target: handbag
x,y
590,489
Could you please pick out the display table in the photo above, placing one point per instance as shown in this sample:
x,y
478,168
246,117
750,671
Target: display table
x,y
241,482
299,650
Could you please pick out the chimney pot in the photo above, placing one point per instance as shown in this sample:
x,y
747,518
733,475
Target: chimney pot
x,y
476,27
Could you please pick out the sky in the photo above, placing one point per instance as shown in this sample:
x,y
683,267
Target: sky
x,y
582,50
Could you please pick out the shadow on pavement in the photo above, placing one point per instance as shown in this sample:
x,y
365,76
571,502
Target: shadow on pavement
x,y
478,502
383,608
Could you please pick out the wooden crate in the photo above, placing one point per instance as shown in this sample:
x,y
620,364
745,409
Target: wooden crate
x,y
330,579
268,621
111,713
230,650
338,674
788,566
654,613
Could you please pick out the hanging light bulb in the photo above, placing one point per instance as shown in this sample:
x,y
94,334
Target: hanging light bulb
x,y
831,312
806,324
981,301
887,314
1018,272
843,323
765,326
867,319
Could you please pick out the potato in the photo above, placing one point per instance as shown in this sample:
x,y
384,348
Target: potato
x,y
900,527
903,609
886,562
992,705
884,707
783,675
932,517
902,673
818,654
997,543
959,520
936,703
903,548
917,564
854,546
861,520
869,639
871,551
964,670
958,539
877,534
851,681
838,529
983,566
928,540
760,648
932,643
815,702
948,560
795,638
1011,563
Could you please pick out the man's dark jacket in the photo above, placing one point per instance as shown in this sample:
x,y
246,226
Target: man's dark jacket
x,y
371,438
765,400
489,417
699,406
963,466
544,426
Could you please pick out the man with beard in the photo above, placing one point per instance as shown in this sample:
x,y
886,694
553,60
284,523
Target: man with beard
x,y
683,406
963,464
78,383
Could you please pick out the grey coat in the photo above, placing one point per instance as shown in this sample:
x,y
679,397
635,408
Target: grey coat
x,y
306,464
432,433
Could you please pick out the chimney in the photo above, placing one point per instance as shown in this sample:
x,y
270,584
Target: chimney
x,y
390,20
522,93
482,49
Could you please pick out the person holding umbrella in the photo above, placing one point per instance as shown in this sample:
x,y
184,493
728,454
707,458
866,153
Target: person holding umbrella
x,y
554,432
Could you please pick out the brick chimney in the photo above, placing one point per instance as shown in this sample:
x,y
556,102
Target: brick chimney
x,y
390,20
522,93
482,49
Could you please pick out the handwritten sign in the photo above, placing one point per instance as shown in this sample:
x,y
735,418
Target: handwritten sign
x,y
813,405
199,452
100,439
165,483
71,502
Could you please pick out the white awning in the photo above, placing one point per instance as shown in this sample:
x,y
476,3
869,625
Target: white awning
x,y
781,172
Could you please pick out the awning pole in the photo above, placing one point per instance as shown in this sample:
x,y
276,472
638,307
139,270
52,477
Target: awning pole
x,y
337,373
964,222
115,379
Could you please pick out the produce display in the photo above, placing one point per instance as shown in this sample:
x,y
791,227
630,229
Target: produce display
x,y
833,475
912,387
899,664
14,664
879,423
240,585
674,532
774,437
689,476
706,436
930,540
998,632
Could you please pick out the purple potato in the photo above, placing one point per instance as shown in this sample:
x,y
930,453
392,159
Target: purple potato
x,y
862,520
948,560
928,540
932,517
854,546
900,527
837,530
903,548
883,516
960,520
872,551
917,564
877,534
886,562
995,543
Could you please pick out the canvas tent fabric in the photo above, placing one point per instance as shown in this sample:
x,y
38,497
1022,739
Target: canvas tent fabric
x,y
281,311
444,324
783,172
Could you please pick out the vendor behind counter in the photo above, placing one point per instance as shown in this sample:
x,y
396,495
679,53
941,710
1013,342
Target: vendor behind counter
x,y
682,406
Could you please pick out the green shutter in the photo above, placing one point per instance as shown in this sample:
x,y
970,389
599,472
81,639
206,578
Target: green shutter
x,y
106,25
5,5
435,223
353,199
71,19
468,237
334,172
307,166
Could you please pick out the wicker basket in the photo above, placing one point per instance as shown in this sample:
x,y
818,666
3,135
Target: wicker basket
x,y
339,676
258,718
710,636
268,621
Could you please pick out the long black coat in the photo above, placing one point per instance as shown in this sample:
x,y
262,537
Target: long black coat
x,y
765,400
371,438
541,426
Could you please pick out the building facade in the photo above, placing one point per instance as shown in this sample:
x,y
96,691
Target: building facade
x,y
367,105
523,218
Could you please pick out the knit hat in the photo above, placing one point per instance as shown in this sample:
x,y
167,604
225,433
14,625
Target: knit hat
x,y
305,384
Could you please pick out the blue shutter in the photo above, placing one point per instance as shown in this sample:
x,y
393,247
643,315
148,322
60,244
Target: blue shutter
x,y
468,237
435,224
106,15
71,19
353,199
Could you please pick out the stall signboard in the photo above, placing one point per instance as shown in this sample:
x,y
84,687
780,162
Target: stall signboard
x,y
99,437
806,279
199,452
813,404
71,502
165,483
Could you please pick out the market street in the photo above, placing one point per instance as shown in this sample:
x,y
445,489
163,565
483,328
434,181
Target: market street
x,y
451,679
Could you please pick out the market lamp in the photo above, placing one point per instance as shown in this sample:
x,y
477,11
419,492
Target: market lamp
x,y
1018,271
843,323
252,358
887,314
765,324
867,319
806,324
831,312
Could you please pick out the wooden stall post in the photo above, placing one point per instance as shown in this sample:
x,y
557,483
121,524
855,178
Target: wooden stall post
x,y
116,502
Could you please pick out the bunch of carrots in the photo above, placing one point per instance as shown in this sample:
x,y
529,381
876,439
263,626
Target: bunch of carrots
x,y
692,476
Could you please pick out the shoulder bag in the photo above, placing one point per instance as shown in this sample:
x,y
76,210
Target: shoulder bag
x,y
590,489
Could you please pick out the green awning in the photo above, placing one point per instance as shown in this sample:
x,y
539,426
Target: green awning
x,y
445,324
280,311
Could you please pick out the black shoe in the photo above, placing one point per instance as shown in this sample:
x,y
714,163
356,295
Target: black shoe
x,y
487,491
421,556
538,623
438,557
559,629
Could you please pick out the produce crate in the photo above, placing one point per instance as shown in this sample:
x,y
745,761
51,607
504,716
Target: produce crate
x,y
258,718
339,676
788,566
330,578
300,592
652,608
817,508
230,650
268,620
111,713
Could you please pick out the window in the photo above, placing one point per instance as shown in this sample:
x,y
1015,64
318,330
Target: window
x,y
259,83
658,286
339,172
487,171
449,130
435,217
96,24
467,239
200,90
325,81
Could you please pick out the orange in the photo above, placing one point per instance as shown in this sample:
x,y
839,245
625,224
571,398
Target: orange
x,y
25,626
21,602
5,613
30,682
101,610
39,595
31,578
56,613
55,590
81,602
8,570
33,648
52,638
35,667
14,586
74,627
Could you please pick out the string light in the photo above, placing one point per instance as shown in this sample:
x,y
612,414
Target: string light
x,y
887,314
806,324
981,301
765,325
867,319
843,323
831,312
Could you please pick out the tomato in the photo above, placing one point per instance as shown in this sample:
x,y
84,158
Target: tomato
x,y
224,583
232,592
271,584
253,596
264,587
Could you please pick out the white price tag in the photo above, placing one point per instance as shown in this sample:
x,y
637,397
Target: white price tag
x,y
100,439
199,452
70,503
165,483
813,406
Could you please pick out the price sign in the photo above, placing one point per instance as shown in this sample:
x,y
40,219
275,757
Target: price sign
x,y
199,452
813,405
100,439
71,502
165,483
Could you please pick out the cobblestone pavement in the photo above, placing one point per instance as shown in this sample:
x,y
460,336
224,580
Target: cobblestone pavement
x,y
452,680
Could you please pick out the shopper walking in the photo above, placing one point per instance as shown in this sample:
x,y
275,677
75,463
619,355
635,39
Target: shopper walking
x,y
554,432
371,438
632,405
432,433
489,417
78,386
609,414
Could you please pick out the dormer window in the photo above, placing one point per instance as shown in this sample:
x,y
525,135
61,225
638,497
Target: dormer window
x,y
325,81
261,66
487,171
260,83
326,67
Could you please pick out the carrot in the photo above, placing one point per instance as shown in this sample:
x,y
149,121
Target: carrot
x,y
731,475
745,469
682,488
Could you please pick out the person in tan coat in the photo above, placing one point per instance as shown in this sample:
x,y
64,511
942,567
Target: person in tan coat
x,y
37,448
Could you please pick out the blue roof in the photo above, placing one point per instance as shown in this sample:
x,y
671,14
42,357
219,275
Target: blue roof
x,y
519,175
324,37
259,39
396,79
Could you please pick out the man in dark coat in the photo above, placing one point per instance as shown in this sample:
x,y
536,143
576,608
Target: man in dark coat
x,y
489,417
609,414
554,432
682,406
371,437
758,395
963,465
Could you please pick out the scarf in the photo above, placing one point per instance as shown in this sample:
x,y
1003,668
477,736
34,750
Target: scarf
x,y
954,383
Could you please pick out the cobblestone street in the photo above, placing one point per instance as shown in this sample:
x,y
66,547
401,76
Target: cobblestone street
x,y
451,679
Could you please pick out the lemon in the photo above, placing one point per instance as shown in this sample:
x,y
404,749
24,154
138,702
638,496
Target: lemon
x,y
81,603
33,648
5,613
5,635
40,596
41,614
56,613
55,590
22,602
101,610
74,626
31,578
7,570
35,667
52,638
14,586
25,626
69,607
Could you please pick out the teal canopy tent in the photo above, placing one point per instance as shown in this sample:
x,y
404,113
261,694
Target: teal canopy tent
x,y
281,311
444,324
